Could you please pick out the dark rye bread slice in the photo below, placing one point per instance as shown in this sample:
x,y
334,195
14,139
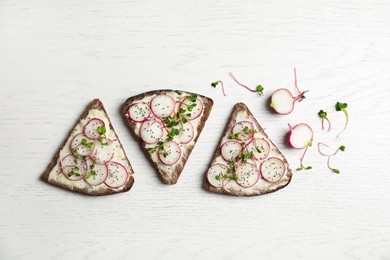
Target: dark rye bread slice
x,y
239,114
98,190
168,175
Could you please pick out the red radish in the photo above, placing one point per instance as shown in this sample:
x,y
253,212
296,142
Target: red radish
x,y
74,169
170,153
162,106
151,131
272,169
259,88
97,174
282,101
186,132
81,145
243,130
139,112
91,128
230,150
103,153
196,110
117,175
301,137
248,175
215,175
259,147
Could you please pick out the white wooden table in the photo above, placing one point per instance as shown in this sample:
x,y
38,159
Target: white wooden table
x,y
56,56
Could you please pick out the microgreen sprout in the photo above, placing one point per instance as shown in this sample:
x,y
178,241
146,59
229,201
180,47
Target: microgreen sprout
x,y
341,148
258,89
86,143
214,85
343,107
324,117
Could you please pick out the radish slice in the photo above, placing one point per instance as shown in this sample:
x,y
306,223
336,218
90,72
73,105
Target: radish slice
x,y
74,169
117,175
239,128
103,153
282,101
186,132
300,136
195,112
91,128
151,131
248,175
101,174
162,106
218,169
170,154
139,112
79,149
260,148
230,150
272,169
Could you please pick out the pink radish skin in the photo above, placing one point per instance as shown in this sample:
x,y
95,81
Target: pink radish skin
x,y
248,175
230,150
272,169
101,174
218,169
90,129
282,101
300,136
162,106
239,128
139,112
69,164
151,131
196,111
262,145
117,175
186,132
172,152
79,149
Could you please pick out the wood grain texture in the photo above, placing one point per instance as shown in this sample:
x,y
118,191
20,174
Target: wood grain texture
x,y
55,57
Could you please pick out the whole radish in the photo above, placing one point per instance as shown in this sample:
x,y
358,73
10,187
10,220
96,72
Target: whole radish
x,y
301,137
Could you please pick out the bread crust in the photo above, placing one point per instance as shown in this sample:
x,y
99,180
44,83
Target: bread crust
x,y
164,177
239,107
95,104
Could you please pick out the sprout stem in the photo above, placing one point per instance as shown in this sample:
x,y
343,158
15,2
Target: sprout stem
x,y
258,89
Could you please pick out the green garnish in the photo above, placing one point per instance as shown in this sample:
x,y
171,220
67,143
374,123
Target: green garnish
x,y
192,98
341,148
101,130
101,140
324,116
259,88
160,146
343,107
234,136
90,173
226,176
86,143
214,85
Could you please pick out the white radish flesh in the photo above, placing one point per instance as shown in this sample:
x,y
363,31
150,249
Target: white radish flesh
x,y
300,136
170,154
139,112
217,170
79,149
272,169
117,175
162,106
230,150
239,129
186,133
248,175
151,131
91,128
282,101
74,169
195,112
101,174
103,153
259,147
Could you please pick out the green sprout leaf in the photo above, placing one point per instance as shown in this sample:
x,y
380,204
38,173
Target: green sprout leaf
x,y
101,130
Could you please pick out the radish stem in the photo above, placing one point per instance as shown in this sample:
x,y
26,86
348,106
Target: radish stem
x,y
342,107
323,115
259,88
214,85
302,167
341,148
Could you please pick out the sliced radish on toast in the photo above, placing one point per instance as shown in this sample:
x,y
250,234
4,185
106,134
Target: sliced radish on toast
x,y
73,168
186,132
97,174
248,175
91,128
240,129
272,169
170,153
230,150
103,153
151,131
259,147
193,109
82,145
162,106
139,112
117,175
216,170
